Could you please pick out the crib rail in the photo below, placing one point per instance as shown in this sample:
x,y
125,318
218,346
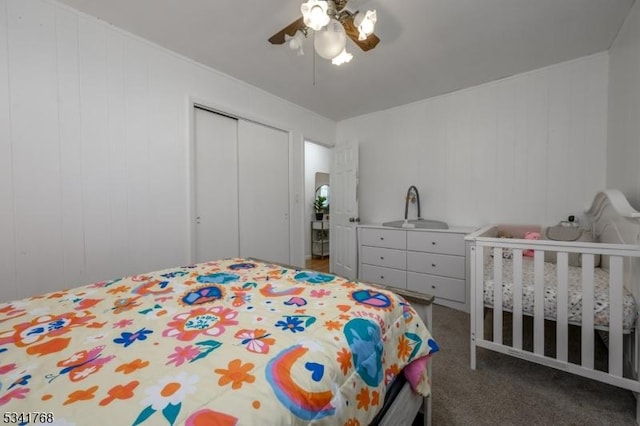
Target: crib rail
x,y
622,263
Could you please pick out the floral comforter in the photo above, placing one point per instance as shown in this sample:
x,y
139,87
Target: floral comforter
x,y
234,341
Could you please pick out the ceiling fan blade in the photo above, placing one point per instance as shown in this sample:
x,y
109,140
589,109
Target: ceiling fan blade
x,y
352,31
278,38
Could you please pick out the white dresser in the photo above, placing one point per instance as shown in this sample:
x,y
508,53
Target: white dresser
x,y
431,261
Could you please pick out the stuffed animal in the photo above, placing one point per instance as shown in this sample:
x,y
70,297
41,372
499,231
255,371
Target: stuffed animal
x,y
507,253
504,234
531,235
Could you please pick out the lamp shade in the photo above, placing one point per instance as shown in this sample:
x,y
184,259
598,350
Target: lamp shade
x,y
342,58
365,23
295,42
331,40
314,14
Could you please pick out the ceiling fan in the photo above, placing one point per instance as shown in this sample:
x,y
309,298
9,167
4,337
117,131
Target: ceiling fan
x,y
332,22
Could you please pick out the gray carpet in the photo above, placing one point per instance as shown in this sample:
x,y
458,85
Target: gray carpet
x,y
505,390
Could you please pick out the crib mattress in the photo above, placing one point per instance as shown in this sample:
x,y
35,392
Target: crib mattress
x,y
601,293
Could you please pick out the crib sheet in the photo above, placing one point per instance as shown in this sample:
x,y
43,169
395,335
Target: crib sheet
x,y
601,293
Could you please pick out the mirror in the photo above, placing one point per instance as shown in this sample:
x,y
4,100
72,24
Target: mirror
x,y
322,187
323,191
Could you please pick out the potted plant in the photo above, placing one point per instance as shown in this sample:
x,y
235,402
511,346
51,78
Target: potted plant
x,y
319,206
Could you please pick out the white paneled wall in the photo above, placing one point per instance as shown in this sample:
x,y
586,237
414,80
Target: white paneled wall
x,y
623,148
527,149
8,247
35,143
94,149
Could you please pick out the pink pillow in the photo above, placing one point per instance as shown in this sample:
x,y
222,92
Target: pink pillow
x,y
413,371
531,235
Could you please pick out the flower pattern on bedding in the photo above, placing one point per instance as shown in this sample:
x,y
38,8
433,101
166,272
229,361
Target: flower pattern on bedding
x,y
601,293
222,342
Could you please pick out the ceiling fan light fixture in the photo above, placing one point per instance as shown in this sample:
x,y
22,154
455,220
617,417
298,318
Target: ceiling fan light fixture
x,y
314,14
342,58
330,41
332,22
365,23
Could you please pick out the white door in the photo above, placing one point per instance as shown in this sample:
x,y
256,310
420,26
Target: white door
x,y
216,186
344,210
264,192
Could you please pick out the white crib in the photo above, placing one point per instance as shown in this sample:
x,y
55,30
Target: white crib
x,y
522,287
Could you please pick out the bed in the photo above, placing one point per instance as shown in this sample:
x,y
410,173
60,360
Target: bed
x,y
233,341
592,285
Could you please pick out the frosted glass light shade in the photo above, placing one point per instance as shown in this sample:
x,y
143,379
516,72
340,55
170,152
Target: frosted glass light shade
x,y
365,23
314,14
330,41
342,58
295,42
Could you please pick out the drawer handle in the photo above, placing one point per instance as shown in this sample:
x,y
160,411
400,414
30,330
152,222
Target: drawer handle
x,y
433,286
382,277
381,238
433,265
381,257
433,243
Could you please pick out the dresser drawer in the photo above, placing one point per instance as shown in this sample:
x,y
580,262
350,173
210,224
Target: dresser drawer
x,y
440,287
436,264
388,238
436,242
387,276
390,258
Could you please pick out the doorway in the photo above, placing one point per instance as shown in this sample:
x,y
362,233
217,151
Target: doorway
x,y
317,162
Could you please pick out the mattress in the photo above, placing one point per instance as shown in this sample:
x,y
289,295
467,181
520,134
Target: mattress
x,y
601,293
233,341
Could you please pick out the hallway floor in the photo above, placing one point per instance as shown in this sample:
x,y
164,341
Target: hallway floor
x,y
318,264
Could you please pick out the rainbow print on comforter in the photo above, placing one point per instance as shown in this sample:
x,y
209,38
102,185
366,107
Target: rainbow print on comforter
x,y
234,341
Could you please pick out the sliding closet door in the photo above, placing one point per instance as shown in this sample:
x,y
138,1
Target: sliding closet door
x,y
216,186
264,192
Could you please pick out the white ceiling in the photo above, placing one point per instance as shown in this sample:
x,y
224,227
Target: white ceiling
x,y
427,48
